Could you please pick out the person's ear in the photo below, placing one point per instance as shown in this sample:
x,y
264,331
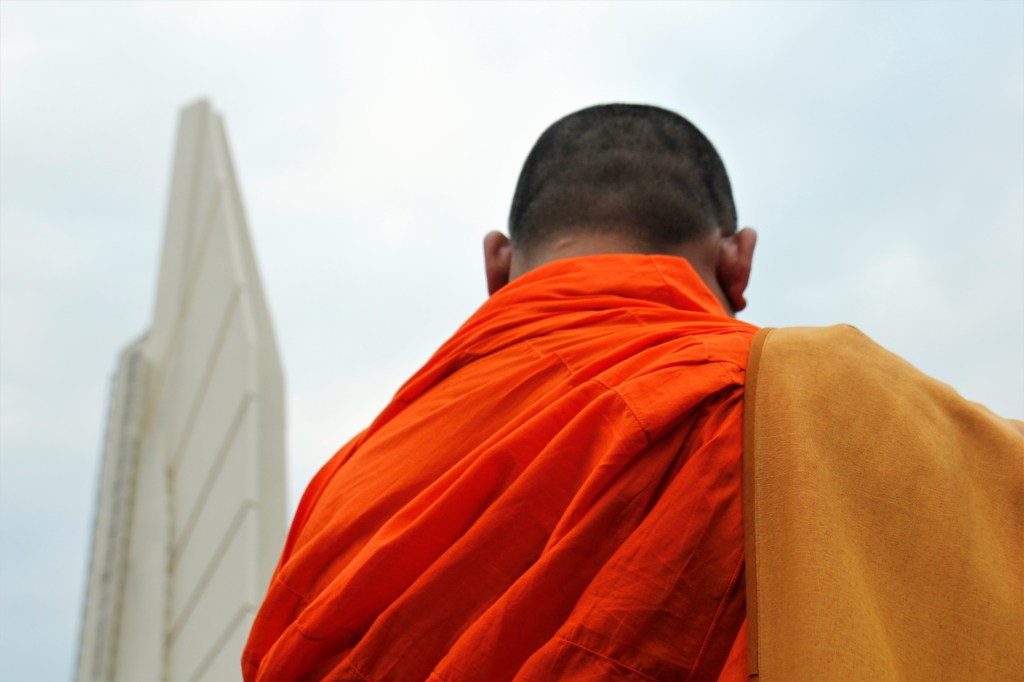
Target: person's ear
x,y
735,256
497,260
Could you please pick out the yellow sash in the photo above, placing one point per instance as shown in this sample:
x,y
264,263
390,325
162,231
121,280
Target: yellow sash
x,y
884,518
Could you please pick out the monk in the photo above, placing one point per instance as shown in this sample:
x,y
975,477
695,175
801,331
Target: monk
x,y
558,494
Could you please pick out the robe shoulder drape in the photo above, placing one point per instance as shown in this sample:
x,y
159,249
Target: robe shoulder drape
x,y
556,495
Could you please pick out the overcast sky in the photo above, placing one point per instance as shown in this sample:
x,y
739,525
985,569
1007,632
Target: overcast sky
x,y
878,149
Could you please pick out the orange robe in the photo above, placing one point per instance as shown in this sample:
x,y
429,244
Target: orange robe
x,y
554,496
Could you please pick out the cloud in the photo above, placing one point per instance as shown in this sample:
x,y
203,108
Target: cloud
x,y
225,18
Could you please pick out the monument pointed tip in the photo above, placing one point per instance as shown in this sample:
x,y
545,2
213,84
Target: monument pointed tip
x,y
200,103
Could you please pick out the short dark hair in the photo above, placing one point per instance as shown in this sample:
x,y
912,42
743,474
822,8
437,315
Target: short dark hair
x,y
636,170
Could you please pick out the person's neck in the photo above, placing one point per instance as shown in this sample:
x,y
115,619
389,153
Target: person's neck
x,y
700,254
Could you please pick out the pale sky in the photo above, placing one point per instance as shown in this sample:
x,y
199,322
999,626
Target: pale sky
x,y
877,147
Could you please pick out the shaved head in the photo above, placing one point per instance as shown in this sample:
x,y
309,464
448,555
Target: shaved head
x,y
629,170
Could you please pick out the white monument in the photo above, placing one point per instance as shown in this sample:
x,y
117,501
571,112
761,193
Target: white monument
x,y
190,514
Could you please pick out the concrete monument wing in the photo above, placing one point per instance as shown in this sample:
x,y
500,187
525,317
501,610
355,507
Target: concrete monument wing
x,y
190,514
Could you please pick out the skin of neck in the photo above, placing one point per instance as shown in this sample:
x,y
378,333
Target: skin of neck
x,y
702,255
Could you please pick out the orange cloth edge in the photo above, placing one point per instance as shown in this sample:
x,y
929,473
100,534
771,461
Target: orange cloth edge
x,y
749,515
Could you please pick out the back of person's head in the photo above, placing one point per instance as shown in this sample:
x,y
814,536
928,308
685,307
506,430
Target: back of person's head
x,y
635,171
